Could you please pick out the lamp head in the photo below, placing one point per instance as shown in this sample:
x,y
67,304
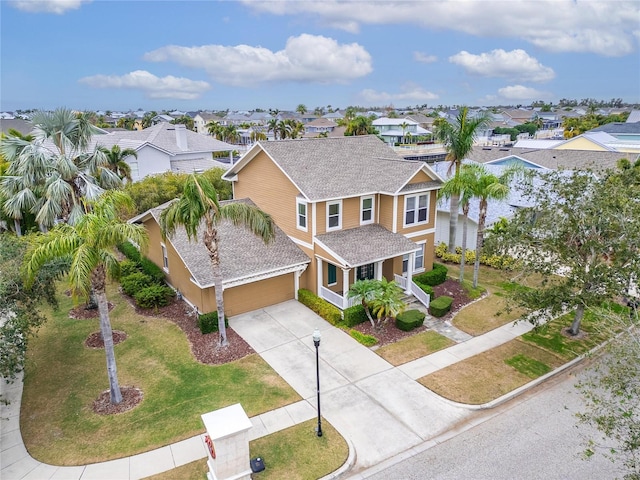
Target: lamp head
x,y
316,337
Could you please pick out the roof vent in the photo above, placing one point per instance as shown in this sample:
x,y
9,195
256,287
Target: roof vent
x,y
486,148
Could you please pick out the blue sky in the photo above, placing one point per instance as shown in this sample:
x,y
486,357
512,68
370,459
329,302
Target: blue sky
x,y
242,55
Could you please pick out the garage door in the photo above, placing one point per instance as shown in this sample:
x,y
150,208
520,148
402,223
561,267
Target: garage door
x,y
260,294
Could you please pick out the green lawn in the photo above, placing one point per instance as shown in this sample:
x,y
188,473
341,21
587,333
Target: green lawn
x,y
63,378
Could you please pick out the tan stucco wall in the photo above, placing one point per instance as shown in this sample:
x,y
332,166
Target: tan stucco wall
x,y
581,144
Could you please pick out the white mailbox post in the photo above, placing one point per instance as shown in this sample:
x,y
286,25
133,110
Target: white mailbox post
x,y
227,443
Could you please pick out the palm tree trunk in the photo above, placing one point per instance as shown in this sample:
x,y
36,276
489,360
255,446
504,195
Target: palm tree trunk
x,y
577,320
211,242
453,222
98,281
17,227
482,217
464,246
366,310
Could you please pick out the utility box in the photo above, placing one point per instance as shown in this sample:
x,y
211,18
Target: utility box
x,y
227,443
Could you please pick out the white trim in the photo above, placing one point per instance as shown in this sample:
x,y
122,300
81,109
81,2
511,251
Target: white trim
x,y
428,231
373,209
345,280
260,276
423,244
394,228
301,201
336,257
313,220
334,266
416,209
318,275
165,257
328,205
301,242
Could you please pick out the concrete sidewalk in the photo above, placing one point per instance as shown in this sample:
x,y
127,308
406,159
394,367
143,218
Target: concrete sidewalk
x,y
379,408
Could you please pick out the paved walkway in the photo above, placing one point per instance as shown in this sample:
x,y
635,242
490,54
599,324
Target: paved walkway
x,y
378,407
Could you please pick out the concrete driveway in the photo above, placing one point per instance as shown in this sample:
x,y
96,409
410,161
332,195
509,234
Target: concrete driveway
x,y
380,409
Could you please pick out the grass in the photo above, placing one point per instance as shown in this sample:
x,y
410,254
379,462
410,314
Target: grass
x,y
413,347
283,453
530,367
63,378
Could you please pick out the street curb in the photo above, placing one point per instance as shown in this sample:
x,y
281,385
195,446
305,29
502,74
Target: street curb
x,y
346,466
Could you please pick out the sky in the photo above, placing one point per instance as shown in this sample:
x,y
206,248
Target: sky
x,y
244,55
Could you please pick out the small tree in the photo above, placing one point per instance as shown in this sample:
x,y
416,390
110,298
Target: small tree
x,y
364,291
388,301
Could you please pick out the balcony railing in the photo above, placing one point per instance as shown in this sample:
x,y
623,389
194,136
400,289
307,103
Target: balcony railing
x,y
336,299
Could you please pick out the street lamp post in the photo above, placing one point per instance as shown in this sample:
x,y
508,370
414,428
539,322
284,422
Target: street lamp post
x,y
316,342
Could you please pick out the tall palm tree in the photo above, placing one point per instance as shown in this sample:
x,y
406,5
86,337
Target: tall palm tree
x,y
215,130
90,245
404,125
458,139
272,126
301,109
199,205
116,162
11,144
360,125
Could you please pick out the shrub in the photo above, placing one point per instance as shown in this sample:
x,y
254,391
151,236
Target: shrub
x,y
153,270
436,276
154,296
502,262
208,322
363,338
127,267
424,288
355,315
129,251
440,306
409,320
131,284
323,308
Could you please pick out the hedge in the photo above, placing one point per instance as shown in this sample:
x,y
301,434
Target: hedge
x,y
355,315
129,251
502,262
436,276
363,338
425,288
409,320
127,267
208,322
440,306
153,270
323,308
133,283
154,296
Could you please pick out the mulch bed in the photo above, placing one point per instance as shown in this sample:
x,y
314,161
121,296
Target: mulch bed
x,y
452,288
131,397
81,312
95,339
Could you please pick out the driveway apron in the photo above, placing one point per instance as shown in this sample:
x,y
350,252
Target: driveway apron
x,y
379,408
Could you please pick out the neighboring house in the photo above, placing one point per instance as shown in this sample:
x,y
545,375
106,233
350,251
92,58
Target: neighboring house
x,y
634,116
161,118
166,147
202,119
318,126
517,116
254,275
391,129
354,207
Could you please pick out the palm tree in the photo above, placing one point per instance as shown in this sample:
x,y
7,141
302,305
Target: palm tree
x,y
231,134
388,301
364,291
199,204
404,125
15,212
301,109
458,142
215,130
116,162
90,246
360,125
272,126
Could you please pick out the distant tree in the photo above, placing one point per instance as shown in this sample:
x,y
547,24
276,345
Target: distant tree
x,y
272,126
360,125
216,130
116,162
185,120
128,123
148,118
301,109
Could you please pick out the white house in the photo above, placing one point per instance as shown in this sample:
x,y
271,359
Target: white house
x,y
396,130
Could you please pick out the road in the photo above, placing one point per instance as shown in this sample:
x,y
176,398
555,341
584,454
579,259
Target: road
x,y
533,437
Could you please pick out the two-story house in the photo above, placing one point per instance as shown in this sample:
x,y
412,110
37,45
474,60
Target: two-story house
x,y
346,209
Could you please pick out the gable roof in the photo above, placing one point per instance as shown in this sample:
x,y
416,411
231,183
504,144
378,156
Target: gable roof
x,y
619,127
330,168
243,256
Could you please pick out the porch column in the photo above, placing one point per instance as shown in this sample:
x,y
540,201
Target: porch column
x,y
379,270
296,283
411,263
319,275
345,287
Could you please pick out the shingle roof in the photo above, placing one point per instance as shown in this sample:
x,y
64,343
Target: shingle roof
x,y
366,244
328,168
618,127
243,255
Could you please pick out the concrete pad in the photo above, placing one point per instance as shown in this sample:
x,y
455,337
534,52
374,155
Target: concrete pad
x,y
276,420
297,318
422,411
300,411
18,470
296,364
111,470
258,430
41,472
68,473
9,424
187,451
443,358
150,463
10,439
519,328
260,330
373,431
418,368
13,454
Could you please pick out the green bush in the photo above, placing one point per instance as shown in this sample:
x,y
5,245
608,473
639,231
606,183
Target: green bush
x,y
153,270
323,308
425,288
363,338
154,296
440,306
495,261
436,276
133,283
127,267
208,322
355,315
129,251
407,321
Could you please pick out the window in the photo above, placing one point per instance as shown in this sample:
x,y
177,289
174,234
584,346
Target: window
x,y
416,209
419,258
332,277
302,215
334,220
165,258
366,272
366,210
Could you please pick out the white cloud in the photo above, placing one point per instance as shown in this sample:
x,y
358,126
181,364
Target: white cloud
x,y
514,65
154,87
424,58
48,6
521,93
306,58
597,26
409,93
